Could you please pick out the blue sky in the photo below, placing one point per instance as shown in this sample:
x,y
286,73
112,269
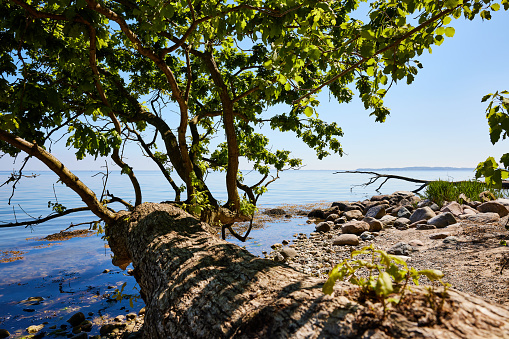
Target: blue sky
x,y
439,120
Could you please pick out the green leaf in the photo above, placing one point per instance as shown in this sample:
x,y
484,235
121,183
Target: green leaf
x,y
449,32
495,7
432,274
308,111
384,285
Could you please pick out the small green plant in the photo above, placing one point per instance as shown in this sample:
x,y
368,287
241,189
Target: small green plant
x,y
388,276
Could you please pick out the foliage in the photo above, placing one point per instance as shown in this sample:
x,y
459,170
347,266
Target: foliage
x,y
441,190
195,79
388,275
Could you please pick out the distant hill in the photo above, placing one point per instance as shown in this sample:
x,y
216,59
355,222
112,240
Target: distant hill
x,y
416,168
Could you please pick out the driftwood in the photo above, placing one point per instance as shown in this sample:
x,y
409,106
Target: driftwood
x,y
196,285
376,176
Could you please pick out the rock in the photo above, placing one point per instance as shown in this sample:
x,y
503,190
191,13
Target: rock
x,y
442,220
486,196
81,335
380,197
34,300
434,207
503,201
353,214
387,220
324,226
401,248
424,227
403,213
317,213
285,242
355,227
424,203
423,213
107,329
483,217
401,222
367,236
452,207
439,235
469,210
288,252
376,212
86,326
342,205
278,257
275,212
493,206
4,333
34,328
76,319
463,199
131,316
346,239
28,310
450,239
106,271
374,225
332,217
120,318
276,246
415,243
340,220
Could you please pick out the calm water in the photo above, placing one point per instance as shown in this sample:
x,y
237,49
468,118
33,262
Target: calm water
x,y
68,274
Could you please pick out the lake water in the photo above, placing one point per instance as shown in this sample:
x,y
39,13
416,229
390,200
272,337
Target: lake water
x,y
69,274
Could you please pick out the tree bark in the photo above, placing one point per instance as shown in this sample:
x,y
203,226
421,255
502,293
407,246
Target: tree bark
x,y
198,286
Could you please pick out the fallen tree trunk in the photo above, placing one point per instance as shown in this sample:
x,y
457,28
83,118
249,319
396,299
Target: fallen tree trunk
x,y
196,285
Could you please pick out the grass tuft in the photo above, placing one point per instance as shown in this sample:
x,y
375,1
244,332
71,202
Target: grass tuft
x,y
440,191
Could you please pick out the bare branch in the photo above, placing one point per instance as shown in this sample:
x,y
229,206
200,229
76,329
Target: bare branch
x,y
377,176
49,217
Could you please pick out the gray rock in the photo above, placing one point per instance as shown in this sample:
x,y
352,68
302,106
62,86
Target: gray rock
x,y
415,243
353,214
401,248
424,203
288,252
346,239
424,227
423,213
374,225
332,217
463,199
76,319
4,333
387,220
400,222
324,226
376,212
367,236
442,220
450,239
278,257
493,206
439,235
483,217
403,213
434,207
355,227
453,207
340,220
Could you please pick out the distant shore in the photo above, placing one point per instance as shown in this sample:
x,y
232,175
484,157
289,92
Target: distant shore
x,y
417,168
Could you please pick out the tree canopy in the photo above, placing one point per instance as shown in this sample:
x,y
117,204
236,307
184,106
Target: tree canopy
x,y
185,74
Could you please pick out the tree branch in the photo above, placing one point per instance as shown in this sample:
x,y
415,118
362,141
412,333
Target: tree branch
x,y
49,217
377,176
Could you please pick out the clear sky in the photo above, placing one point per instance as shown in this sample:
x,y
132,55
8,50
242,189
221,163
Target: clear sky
x,y
439,120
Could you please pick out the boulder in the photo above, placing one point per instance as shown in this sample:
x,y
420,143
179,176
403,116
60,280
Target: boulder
x,y
374,224
388,220
380,197
442,220
346,239
76,319
453,207
288,252
493,206
355,227
376,211
275,212
353,214
401,222
332,217
4,333
340,220
401,248
403,213
317,213
434,207
424,203
423,213
342,205
324,226
483,217
367,236
486,196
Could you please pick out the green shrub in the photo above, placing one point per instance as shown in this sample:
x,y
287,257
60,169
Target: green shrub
x,y
440,190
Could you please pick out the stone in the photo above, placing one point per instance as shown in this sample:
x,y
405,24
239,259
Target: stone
x,y
379,197
355,227
415,243
403,213
106,270
439,235
376,212
424,227
374,225
367,236
423,213
463,199
483,217
131,316
276,246
86,326
469,210
317,213
424,203
442,220
34,328
325,226
353,214
401,248
76,319
346,239
278,257
434,207
107,329
120,318
340,220
288,252
452,207
275,212
400,222
332,217
493,206
4,333
503,201
342,205
82,335
486,196
285,242
387,220
450,239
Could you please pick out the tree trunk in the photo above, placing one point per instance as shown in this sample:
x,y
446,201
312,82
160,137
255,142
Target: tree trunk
x,y
198,286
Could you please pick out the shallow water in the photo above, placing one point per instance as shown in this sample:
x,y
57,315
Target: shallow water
x,y
68,274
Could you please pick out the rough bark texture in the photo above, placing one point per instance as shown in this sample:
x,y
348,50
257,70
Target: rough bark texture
x,y
198,286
